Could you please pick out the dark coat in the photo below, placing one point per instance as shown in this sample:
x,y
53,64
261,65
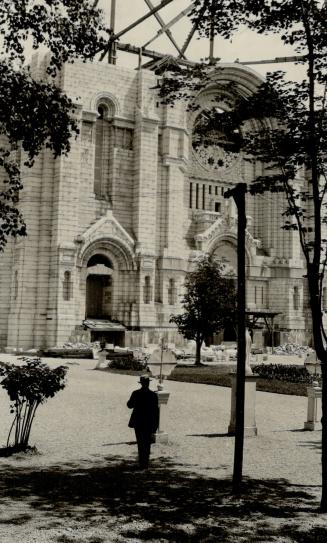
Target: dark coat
x,y
145,415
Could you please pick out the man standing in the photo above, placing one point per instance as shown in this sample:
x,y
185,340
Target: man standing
x,y
144,418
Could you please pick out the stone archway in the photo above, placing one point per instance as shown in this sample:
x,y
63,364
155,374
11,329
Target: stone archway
x,y
226,251
107,281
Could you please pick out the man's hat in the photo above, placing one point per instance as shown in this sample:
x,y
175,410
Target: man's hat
x,y
144,378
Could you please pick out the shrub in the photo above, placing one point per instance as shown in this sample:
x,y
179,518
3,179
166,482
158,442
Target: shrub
x,y
127,363
290,373
28,386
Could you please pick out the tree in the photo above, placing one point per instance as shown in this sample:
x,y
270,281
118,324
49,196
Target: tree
x,y
208,303
292,143
28,386
36,113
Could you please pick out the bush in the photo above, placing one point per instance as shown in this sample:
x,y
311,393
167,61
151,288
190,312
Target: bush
x,y
28,386
290,373
127,363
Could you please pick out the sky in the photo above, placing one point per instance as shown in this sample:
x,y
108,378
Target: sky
x,y
245,46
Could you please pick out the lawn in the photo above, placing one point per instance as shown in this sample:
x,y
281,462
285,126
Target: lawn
x,y
211,375
216,375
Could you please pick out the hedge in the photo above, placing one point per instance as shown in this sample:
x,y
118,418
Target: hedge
x,y
280,372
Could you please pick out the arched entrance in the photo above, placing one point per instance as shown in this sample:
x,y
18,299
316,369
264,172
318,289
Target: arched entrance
x,y
99,287
225,251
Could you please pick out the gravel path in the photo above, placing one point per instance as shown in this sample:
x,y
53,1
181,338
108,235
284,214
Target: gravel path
x,y
85,428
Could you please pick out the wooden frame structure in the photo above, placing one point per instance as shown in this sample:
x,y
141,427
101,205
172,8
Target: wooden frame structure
x,y
114,45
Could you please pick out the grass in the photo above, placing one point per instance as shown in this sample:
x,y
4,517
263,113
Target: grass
x,y
213,375
210,375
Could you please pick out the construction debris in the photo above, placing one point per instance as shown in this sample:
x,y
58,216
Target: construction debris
x,y
288,349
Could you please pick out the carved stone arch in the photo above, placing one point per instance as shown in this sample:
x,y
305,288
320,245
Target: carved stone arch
x,y
246,79
110,100
214,159
246,82
230,240
114,249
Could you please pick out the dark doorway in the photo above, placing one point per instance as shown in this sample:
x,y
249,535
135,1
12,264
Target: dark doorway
x,y
98,296
229,333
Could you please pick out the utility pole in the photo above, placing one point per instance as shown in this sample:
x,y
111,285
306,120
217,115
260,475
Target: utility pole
x,y
238,193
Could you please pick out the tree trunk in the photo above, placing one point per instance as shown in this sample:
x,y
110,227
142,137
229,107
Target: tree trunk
x,y
313,280
198,352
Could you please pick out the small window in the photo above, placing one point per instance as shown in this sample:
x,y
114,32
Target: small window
x,y
209,189
171,292
67,286
222,191
16,285
197,196
296,298
160,148
101,159
203,196
217,207
216,191
147,290
191,195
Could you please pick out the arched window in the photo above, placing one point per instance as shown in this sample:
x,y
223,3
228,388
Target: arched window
x,y
147,290
102,150
16,285
296,299
67,286
171,292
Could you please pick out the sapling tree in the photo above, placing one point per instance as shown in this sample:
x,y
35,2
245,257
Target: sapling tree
x,y
288,133
208,303
28,386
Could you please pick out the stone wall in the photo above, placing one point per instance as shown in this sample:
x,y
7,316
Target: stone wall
x,y
155,204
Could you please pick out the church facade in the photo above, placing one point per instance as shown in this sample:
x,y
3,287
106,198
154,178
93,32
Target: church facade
x,y
114,227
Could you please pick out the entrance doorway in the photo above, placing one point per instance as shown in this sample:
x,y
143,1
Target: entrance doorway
x,y
98,296
99,285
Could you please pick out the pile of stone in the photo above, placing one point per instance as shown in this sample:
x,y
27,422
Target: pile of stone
x,y
76,346
70,350
293,349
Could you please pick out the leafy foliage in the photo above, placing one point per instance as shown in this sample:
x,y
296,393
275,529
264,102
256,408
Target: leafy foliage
x,y
28,386
35,113
127,363
209,302
211,375
281,372
282,124
69,29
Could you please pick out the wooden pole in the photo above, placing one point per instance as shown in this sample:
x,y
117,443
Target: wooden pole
x,y
115,37
112,56
238,193
164,27
212,34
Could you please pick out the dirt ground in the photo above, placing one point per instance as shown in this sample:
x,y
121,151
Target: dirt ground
x,y
83,486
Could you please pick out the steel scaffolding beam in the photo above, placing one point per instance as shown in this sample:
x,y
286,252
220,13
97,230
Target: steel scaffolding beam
x,y
169,25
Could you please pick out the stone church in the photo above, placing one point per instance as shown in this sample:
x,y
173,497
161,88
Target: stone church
x,y
114,226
